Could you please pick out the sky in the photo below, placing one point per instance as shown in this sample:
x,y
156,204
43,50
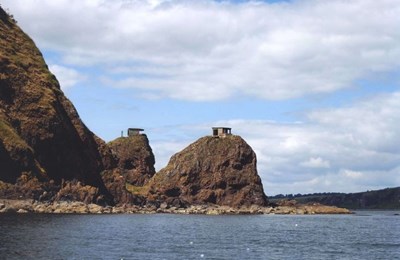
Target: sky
x,y
313,86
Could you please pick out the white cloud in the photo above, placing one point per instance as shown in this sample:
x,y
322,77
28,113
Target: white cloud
x,y
316,162
372,124
351,174
67,77
206,50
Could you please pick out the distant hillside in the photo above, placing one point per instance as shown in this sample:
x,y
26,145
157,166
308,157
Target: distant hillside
x,y
388,198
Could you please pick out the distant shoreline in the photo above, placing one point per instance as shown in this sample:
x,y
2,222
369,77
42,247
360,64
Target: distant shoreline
x,y
383,199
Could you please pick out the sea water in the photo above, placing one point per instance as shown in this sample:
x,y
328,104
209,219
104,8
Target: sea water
x,y
364,235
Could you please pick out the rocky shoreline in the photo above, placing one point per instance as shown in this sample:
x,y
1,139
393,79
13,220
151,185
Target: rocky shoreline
x,y
76,207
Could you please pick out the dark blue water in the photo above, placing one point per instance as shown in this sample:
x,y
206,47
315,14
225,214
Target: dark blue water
x,y
365,235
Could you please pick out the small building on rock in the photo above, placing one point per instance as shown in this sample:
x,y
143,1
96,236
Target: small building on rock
x,y
221,131
134,131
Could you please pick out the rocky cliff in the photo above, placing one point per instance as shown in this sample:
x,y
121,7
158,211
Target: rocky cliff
x,y
42,138
212,170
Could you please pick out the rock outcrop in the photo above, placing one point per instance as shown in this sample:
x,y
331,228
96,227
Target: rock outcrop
x,y
212,170
41,134
135,157
135,167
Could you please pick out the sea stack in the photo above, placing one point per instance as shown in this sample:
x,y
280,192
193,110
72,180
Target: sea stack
x,y
135,157
135,167
219,169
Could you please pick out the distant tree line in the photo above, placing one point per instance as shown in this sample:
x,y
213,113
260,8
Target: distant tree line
x,y
388,198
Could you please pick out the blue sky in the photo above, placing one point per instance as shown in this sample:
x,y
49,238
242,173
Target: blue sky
x,y
312,86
